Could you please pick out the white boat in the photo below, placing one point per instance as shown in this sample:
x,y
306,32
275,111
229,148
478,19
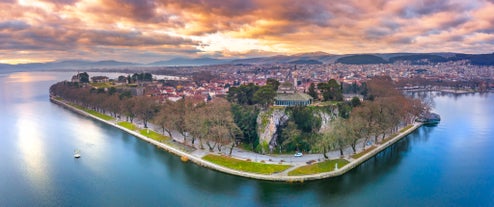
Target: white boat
x,y
77,153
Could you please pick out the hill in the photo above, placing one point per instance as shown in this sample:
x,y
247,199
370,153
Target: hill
x,y
190,62
480,59
361,60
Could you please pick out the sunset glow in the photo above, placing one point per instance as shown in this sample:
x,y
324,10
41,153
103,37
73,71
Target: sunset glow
x,y
146,31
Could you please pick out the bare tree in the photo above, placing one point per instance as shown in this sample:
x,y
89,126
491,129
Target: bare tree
x,y
145,108
166,117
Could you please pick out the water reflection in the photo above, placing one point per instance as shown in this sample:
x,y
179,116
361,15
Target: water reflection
x,y
27,77
32,150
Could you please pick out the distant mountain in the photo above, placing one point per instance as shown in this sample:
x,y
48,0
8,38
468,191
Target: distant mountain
x,y
303,58
306,62
312,54
480,59
190,62
6,68
67,64
361,60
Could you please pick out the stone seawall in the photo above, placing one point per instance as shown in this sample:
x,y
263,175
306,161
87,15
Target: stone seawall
x,y
284,178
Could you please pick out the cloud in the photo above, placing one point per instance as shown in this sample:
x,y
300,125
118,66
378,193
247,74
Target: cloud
x,y
243,28
13,25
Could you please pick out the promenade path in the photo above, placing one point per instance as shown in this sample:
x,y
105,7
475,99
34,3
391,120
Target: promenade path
x,y
196,154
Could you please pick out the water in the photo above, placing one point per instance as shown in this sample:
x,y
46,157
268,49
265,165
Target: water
x,y
446,165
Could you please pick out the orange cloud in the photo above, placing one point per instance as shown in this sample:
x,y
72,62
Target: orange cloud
x,y
149,30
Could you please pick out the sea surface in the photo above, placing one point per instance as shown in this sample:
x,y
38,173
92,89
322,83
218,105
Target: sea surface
x,y
450,164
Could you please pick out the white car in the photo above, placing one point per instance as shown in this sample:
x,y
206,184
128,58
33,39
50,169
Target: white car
x,y
298,154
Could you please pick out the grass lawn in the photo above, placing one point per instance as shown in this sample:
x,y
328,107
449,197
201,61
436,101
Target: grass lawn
x,y
326,103
99,115
405,128
321,167
101,85
360,154
245,166
154,135
128,125
93,112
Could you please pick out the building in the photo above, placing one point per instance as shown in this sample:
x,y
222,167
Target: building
x,y
287,95
99,79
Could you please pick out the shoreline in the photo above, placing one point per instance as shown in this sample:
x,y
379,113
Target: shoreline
x,y
280,177
445,90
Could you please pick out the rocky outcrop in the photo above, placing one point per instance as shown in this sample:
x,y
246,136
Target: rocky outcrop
x,y
327,116
268,123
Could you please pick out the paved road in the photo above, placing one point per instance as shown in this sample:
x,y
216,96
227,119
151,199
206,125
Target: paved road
x,y
245,154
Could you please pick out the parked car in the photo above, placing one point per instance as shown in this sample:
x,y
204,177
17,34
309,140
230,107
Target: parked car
x,y
298,154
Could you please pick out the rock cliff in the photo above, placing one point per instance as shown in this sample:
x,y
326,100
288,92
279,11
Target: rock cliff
x,y
270,121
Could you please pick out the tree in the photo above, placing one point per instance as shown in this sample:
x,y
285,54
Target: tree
x,y
331,90
355,129
243,95
128,108
273,83
245,118
305,119
265,95
112,104
196,122
222,128
83,77
334,137
355,101
145,109
291,137
166,117
382,87
183,108
312,91
344,110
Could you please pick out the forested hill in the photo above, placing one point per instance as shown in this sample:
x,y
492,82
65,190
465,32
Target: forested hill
x,y
361,60
479,59
418,59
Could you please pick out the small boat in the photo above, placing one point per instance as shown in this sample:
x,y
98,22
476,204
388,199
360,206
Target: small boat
x,y
77,154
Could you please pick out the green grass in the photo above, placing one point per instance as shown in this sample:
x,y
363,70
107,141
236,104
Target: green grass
x,y
405,128
360,154
326,103
154,135
93,112
128,125
245,166
101,85
99,115
321,167
394,135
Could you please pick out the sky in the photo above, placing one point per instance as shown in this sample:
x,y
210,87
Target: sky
x,y
145,31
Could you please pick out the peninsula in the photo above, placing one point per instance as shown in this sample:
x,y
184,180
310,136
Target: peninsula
x,y
254,135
